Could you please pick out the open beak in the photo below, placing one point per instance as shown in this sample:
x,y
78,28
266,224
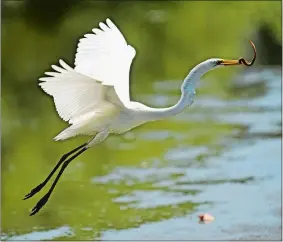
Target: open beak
x,y
241,60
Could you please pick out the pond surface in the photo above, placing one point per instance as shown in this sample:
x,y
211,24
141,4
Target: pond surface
x,y
219,156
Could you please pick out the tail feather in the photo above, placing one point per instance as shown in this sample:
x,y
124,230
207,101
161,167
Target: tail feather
x,y
66,134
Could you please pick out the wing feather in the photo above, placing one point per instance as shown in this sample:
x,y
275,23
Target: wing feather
x,y
106,57
74,93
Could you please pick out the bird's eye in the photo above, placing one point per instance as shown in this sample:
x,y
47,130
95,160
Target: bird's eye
x,y
218,62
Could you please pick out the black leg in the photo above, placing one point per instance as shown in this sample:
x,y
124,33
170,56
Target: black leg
x,y
41,185
45,198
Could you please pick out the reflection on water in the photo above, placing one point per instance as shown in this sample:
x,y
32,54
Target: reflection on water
x,y
43,235
219,156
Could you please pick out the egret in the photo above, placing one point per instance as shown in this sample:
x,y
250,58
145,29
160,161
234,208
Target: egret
x,y
94,98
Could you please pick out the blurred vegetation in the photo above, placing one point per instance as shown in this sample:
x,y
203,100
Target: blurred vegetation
x,y
170,38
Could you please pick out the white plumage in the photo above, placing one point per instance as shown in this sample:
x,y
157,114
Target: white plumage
x,y
106,57
97,87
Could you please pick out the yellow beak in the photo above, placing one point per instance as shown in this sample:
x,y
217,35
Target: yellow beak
x,y
230,62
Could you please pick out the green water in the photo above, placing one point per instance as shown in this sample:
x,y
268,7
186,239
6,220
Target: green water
x,y
222,155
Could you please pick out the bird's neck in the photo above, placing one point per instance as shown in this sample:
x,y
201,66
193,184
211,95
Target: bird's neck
x,y
186,99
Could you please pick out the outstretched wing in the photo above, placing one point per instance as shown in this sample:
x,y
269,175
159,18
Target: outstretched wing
x,y
74,93
106,57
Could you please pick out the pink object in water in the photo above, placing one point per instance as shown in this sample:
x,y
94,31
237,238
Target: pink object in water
x,y
206,217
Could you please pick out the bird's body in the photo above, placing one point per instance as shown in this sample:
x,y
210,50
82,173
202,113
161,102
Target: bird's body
x,y
94,95
111,117
103,112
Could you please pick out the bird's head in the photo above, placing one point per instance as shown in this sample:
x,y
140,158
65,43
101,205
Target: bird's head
x,y
189,84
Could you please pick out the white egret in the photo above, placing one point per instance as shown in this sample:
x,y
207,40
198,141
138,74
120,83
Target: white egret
x,y
94,96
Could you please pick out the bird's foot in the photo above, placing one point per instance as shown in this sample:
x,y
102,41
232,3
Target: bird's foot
x,y
34,191
40,204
